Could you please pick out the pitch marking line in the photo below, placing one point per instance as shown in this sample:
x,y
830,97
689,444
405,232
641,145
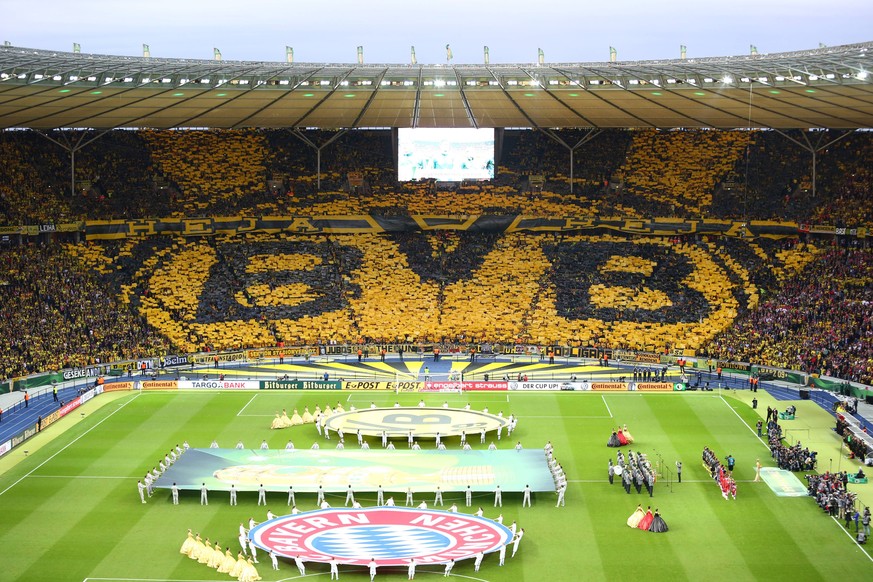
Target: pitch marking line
x,y
418,570
567,416
760,439
246,405
69,444
851,537
603,397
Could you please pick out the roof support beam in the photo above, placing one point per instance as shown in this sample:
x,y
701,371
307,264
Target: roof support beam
x,y
299,135
589,135
814,149
416,111
467,108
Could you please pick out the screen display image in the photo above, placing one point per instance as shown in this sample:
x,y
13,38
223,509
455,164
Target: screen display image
x,y
445,154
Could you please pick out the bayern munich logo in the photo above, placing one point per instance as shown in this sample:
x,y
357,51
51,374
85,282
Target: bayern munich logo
x,y
390,535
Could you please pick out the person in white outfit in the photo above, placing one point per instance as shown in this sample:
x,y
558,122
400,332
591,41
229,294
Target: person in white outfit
x,y
517,541
203,495
301,567
449,565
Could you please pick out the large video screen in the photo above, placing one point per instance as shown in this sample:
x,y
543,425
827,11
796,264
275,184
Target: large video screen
x,y
445,154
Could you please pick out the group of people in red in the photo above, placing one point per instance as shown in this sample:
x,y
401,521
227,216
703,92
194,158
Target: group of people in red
x,y
647,520
620,437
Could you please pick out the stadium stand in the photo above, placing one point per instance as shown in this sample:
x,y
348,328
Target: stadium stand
x,y
650,293
686,173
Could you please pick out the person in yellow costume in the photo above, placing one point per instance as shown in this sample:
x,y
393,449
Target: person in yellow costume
x,y
249,573
237,569
296,419
217,557
327,410
286,422
205,553
627,435
307,416
188,543
637,516
338,408
277,422
227,562
317,410
197,548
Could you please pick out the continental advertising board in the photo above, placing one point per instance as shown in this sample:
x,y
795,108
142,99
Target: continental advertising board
x,y
609,386
159,385
655,386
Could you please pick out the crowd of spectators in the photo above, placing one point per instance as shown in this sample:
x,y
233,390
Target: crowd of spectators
x,y
820,321
784,304
55,314
685,173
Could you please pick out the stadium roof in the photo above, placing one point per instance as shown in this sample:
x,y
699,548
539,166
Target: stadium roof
x,y
827,87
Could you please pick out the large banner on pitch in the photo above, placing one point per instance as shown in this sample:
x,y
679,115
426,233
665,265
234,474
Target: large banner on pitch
x,y
365,471
392,536
421,422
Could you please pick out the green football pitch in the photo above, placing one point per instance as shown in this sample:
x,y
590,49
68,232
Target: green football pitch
x,y
70,511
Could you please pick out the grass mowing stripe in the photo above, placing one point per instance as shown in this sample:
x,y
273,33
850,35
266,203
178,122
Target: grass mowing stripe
x,y
758,536
101,421
853,538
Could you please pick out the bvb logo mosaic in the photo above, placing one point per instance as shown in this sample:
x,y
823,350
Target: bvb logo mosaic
x,y
250,291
